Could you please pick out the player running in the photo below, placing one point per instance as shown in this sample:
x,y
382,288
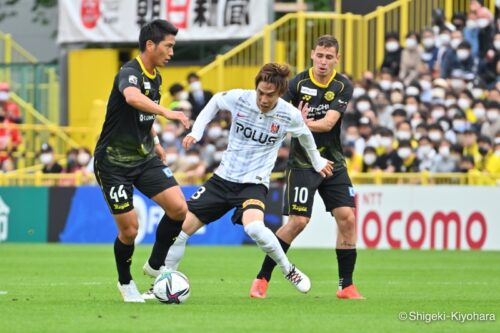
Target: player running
x,y
260,122
327,94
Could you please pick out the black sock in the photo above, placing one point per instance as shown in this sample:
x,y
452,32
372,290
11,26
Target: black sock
x,y
346,259
123,259
166,233
268,265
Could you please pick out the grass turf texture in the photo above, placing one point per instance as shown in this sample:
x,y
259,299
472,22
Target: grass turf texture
x,y
70,288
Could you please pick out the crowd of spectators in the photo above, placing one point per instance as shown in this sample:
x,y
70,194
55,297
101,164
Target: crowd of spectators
x,y
434,105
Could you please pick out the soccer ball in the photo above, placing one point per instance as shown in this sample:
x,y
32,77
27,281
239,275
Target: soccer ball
x,y
171,287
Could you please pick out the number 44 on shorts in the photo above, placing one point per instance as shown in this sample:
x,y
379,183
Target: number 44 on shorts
x,y
115,195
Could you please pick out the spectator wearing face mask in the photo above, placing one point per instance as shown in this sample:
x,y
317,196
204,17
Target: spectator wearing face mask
x,y
384,143
198,97
425,154
469,143
492,124
404,132
489,162
478,110
486,31
193,167
179,99
392,58
48,160
429,54
403,159
443,161
449,57
411,59
369,160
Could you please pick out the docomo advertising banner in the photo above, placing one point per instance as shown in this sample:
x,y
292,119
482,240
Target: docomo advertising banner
x,y
119,21
415,217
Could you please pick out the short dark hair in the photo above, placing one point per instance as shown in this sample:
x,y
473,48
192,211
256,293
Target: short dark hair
x,y
327,41
156,31
193,75
276,74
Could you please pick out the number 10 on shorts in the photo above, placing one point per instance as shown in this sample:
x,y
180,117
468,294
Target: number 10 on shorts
x,y
300,194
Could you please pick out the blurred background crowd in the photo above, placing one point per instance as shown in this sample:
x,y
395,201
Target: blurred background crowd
x,y
432,106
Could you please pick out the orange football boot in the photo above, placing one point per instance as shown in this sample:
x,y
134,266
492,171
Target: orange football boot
x,y
349,293
259,288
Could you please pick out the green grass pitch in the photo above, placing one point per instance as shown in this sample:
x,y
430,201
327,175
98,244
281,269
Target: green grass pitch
x,y
71,288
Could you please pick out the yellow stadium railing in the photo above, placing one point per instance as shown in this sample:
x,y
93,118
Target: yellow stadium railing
x,y
374,178
290,39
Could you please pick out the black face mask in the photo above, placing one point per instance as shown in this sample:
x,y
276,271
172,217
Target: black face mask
x,y
348,153
464,170
2,118
483,151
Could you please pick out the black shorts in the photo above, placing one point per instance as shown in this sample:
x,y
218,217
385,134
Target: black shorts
x,y
217,196
301,185
117,183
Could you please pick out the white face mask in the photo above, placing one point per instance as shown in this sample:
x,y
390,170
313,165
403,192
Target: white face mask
x,y
183,96
385,84
471,24
477,93
463,54
479,113
435,136
46,158
351,138
418,135
449,102
426,85
497,153
363,106
214,132
404,153
4,96
385,141
444,39
463,103
83,159
171,158
168,137
483,23
455,42
457,84
436,114
415,122
411,43
411,109
392,46
403,135
444,125
192,159
369,159
496,44
459,126
373,93
444,151
492,115
412,91
358,91
428,42
424,150
195,86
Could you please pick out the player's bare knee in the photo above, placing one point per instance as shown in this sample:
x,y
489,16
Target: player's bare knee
x,y
347,224
178,213
298,223
129,233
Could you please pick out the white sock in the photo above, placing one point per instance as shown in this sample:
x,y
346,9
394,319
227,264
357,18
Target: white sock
x,y
268,242
176,252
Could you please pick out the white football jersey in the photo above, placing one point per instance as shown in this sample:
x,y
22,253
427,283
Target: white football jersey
x,y
255,137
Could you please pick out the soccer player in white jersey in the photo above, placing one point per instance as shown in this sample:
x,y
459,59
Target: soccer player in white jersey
x,y
260,122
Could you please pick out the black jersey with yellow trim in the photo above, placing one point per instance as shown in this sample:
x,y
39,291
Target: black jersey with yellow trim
x,y
126,134
334,95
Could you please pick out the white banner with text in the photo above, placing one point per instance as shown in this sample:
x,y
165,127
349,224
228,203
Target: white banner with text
x,y
414,217
119,21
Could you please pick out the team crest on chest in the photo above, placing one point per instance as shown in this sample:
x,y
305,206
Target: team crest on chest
x,y
329,96
275,128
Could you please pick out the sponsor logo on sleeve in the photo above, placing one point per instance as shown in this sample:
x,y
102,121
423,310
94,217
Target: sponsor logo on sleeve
x,y
132,79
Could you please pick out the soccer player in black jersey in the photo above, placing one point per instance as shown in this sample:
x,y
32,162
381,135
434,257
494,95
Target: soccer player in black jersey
x,y
128,152
322,94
